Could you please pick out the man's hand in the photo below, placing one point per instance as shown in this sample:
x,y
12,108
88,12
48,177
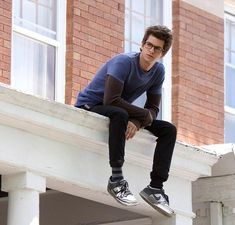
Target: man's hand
x,y
131,130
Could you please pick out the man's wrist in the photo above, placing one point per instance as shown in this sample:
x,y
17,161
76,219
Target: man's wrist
x,y
136,123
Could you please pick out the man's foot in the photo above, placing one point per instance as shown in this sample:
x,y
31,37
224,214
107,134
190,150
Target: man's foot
x,y
157,199
120,191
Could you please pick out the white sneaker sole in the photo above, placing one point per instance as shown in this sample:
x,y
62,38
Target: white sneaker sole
x,y
122,202
167,212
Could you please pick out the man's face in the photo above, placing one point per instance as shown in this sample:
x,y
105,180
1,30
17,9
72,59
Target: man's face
x,y
152,49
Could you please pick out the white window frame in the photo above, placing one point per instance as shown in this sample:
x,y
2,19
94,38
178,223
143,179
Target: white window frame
x,y
230,15
167,61
232,18
59,44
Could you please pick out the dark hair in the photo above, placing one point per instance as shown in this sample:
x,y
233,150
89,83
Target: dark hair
x,y
161,32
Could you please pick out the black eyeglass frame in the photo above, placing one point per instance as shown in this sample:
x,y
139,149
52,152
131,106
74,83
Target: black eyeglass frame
x,y
158,49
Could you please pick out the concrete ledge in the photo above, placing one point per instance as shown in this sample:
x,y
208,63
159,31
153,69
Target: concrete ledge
x,y
68,146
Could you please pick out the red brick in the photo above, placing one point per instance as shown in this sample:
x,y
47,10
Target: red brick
x,y
88,2
88,40
112,4
95,11
103,7
198,86
5,41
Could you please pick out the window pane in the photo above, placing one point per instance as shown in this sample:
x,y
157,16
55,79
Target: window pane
x,y
227,56
29,11
153,11
232,36
137,31
230,84
233,58
229,128
127,25
37,16
44,17
127,3
45,2
33,67
227,35
138,6
135,48
127,46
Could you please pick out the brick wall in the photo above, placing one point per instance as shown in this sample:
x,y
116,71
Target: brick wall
x,y
198,78
5,40
95,32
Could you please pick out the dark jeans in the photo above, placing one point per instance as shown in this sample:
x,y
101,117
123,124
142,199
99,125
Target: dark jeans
x,y
164,131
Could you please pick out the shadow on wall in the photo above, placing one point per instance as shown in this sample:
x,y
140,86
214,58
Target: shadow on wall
x,y
2,193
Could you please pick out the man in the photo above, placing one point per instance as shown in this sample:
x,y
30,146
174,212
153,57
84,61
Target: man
x,y
115,86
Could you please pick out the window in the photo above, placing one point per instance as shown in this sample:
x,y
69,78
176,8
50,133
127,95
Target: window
x,y
38,47
229,78
140,14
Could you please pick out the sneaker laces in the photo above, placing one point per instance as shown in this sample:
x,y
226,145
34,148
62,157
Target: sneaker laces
x,y
165,197
124,190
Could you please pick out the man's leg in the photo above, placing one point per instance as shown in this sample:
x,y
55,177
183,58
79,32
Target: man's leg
x,y
166,134
117,128
117,186
154,193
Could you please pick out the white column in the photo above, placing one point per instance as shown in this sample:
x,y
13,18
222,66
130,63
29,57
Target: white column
x,y
23,197
216,213
176,219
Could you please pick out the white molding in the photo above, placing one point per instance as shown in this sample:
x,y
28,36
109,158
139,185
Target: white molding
x,y
229,16
61,51
220,149
230,65
229,110
229,7
167,61
145,221
35,36
216,213
52,119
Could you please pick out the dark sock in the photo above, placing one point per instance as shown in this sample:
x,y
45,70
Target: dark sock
x,y
116,174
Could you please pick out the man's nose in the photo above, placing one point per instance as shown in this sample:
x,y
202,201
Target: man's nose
x,y
152,49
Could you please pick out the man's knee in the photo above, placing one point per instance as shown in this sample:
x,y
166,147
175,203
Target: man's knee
x,y
173,129
120,114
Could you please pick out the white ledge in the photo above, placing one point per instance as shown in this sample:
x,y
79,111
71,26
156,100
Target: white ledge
x,y
62,143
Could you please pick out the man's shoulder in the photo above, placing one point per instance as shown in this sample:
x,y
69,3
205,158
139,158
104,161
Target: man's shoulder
x,y
126,56
159,67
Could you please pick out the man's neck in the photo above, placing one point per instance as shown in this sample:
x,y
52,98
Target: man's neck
x,y
145,66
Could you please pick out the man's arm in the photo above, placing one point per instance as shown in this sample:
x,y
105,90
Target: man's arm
x,y
112,96
153,103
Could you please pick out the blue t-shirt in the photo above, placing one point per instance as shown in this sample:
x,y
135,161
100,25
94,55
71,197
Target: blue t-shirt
x,y
125,68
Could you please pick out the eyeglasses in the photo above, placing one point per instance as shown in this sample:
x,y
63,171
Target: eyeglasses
x,y
157,49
